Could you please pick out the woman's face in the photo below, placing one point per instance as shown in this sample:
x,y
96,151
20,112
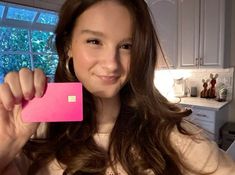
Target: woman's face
x,y
101,48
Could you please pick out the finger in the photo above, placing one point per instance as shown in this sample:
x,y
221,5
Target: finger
x,y
6,97
39,82
27,83
12,79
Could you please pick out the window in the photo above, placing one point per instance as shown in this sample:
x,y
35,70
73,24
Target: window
x,y
27,39
21,14
47,18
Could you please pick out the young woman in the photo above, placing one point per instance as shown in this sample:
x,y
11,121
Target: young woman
x,y
110,46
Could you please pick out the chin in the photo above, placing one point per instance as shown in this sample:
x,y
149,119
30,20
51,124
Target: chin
x,y
105,94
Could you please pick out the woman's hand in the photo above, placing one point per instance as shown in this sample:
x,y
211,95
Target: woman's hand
x,y
14,133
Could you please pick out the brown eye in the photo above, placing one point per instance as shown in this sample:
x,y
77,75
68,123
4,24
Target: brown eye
x,y
93,41
127,46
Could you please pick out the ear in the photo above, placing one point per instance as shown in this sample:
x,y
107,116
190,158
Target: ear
x,y
216,76
211,76
203,80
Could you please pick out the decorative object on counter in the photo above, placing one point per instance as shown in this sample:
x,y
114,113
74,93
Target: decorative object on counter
x,y
204,91
179,87
193,91
211,91
222,95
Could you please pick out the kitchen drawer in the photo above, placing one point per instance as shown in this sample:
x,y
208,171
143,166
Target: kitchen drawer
x,y
208,119
209,127
203,115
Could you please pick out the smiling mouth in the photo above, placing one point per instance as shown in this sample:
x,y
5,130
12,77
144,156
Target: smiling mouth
x,y
108,79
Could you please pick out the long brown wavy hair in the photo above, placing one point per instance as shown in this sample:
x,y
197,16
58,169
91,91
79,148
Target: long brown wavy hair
x,y
140,137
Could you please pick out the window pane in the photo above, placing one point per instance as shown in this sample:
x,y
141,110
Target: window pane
x,y
21,14
1,10
47,18
47,63
14,62
43,42
13,39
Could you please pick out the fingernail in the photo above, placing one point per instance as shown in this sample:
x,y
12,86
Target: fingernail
x,y
38,95
28,98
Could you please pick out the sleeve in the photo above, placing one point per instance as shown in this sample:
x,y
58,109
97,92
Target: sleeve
x,y
201,155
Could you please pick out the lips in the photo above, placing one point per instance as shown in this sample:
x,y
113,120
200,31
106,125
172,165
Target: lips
x,y
109,79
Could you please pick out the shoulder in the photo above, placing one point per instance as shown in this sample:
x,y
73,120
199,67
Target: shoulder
x,y
199,153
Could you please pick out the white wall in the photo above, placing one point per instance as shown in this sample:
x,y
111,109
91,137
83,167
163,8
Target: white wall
x,y
232,62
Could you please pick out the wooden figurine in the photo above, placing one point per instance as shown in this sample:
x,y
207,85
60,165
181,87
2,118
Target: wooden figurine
x,y
204,91
211,91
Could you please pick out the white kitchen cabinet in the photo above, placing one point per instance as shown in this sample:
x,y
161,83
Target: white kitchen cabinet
x,y
210,120
165,18
192,32
201,33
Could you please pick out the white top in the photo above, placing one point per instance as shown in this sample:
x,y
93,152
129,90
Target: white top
x,y
200,154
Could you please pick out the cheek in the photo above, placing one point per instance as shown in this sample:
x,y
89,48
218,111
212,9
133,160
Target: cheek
x,y
83,59
126,64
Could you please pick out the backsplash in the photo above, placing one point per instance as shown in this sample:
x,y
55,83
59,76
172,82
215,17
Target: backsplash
x,y
193,78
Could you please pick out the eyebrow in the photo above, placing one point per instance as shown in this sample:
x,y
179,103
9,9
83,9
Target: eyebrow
x,y
87,31
97,33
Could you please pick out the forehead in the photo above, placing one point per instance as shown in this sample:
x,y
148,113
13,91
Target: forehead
x,y
106,16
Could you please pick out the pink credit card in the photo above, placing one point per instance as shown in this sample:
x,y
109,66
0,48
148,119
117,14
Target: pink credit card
x,y
62,102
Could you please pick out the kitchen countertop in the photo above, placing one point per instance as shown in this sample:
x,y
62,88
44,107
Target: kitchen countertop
x,y
199,102
202,102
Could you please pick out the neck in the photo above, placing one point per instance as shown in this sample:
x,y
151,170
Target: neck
x,y
107,112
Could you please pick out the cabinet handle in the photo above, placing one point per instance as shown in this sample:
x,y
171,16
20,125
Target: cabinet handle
x,y
201,61
201,115
197,61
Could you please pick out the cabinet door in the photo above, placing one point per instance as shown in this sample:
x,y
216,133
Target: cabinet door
x,y
201,33
212,33
165,18
189,15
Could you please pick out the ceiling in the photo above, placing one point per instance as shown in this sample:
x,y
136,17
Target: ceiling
x,y
53,5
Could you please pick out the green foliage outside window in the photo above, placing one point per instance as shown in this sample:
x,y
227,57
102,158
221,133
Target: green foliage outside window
x,y
22,44
21,14
47,63
13,39
43,42
13,62
25,48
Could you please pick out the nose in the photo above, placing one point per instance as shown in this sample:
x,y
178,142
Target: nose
x,y
110,61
